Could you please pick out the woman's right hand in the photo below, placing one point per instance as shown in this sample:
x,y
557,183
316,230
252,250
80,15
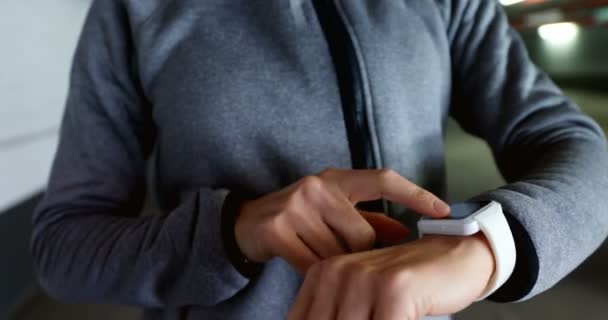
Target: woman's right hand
x,y
315,217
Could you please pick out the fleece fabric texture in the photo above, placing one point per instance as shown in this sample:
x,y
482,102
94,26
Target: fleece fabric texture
x,y
242,95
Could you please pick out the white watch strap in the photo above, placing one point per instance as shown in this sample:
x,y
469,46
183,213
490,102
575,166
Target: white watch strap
x,y
493,224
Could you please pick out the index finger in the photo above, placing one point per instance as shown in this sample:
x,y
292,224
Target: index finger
x,y
373,184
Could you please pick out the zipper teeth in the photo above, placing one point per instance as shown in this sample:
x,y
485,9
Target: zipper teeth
x,y
352,90
358,67
350,82
361,120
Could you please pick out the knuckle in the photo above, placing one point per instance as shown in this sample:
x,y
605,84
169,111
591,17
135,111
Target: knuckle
x,y
271,234
290,206
396,281
268,231
367,236
313,272
270,226
328,172
361,272
388,174
311,185
361,238
314,269
326,265
332,267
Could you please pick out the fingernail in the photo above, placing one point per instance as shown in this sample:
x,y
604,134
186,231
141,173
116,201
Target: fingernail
x,y
441,207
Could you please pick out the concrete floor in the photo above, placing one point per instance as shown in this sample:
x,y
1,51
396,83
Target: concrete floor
x,y
582,295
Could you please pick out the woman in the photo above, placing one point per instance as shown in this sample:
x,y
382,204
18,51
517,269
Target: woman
x,y
245,106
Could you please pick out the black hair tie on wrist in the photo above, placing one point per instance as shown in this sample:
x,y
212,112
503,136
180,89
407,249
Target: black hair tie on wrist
x,y
230,212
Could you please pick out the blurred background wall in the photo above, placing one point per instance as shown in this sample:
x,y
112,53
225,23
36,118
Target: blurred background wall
x,y
567,38
37,38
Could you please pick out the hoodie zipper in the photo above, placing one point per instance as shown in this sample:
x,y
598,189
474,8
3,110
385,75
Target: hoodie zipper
x,y
352,93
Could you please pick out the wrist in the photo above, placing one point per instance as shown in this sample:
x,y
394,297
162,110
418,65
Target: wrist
x,y
485,254
231,211
497,234
487,220
242,230
484,245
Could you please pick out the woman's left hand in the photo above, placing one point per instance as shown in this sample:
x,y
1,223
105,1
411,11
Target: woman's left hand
x,y
435,275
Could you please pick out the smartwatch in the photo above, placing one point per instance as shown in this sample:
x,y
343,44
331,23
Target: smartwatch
x,y
468,218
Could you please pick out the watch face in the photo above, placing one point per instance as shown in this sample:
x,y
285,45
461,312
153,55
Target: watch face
x,y
463,210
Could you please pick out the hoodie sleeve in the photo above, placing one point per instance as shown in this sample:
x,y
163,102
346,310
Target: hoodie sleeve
x,y
552,156
90,243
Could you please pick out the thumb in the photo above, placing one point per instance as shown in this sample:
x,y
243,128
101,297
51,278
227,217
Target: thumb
x,y
388,231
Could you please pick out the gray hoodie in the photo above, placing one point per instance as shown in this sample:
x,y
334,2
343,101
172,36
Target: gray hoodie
x,y
251,95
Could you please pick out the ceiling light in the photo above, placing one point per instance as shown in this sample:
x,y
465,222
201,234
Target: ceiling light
x,y
510,2
559,33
